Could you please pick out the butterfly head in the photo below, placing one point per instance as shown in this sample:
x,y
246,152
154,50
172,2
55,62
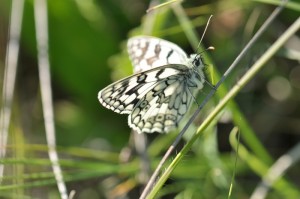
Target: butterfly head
x,y
196,65
196,61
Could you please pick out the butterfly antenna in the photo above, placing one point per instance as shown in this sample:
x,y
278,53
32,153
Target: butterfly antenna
x,y
204,33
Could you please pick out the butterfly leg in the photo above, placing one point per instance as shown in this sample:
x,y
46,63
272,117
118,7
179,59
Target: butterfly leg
x,y
193,96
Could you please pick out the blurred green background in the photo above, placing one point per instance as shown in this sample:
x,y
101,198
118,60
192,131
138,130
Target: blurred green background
x,y
87,47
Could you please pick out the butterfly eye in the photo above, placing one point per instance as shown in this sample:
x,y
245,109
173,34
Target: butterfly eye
x,y
196,62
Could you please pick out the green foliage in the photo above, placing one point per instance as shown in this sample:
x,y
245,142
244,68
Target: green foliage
x,y
87,46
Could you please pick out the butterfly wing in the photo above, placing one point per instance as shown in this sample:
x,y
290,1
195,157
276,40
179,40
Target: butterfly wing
x,y
164,105
149,52
123,95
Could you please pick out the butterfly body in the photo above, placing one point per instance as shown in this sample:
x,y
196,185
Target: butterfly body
x,y
159,94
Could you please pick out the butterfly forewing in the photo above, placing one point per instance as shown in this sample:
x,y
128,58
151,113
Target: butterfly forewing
x,y
148,52
123,95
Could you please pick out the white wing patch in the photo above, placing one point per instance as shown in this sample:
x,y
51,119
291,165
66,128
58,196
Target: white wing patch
x,y
160,93
148,52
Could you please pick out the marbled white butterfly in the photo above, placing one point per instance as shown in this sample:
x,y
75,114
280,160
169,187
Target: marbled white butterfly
x,y
159,94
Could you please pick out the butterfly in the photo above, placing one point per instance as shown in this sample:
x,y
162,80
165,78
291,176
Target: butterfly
x,y
161,90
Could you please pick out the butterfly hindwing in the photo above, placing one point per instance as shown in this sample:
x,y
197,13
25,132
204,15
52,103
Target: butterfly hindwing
x,y
161,109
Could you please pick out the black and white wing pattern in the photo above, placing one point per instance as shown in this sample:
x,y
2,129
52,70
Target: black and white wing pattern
x,y
148,52
155,99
